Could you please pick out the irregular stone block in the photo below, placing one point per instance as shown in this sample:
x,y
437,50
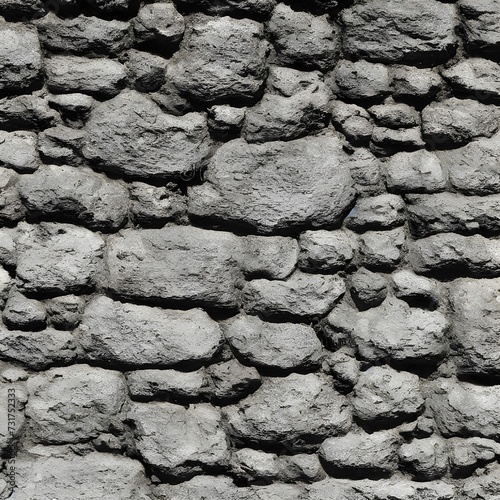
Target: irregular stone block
x,y
22,313
397,115
136,335
11,207
25,112
21,10
379,212
409,83
414,289
382,249
353,121
387,141
267,188
18,150
73,108
225,122
466,455
65,312
368,289
425,459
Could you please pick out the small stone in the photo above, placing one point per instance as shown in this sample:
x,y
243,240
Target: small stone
x,y
18,150
65,312
368,289
253,465
25,112
379,212
61,145
301,467
304,40
353,121
21,313
387,141
366,172
396,115
425,459
409,83
417,290
73,108
382,249
225,122
8,253
344,367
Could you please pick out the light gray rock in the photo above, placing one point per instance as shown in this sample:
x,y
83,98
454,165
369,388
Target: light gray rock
x,y
379,212
325,251
73,108
267,188
361,455
285,346
466,455
179,442
304,40
353,121
61,145
254,465
387,141
75,194
220,60
418,290
409,83
6,283
83,35
344,367
65,312
130,135
301,295
419,171
395,115
225,122
137,335
393,31
89,402
146,71
18,150
382,249
309,410
301,467
485,483
11,208
99,77
237,8
21,58
366,172
368,289
425,459
8,254
22,313
455,122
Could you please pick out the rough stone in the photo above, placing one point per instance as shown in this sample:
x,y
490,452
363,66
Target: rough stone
x,y
237,8
131,135
225,122
395,115
395,31
11,207
425,459
353,121
18,150
61,145
146,72
75,194
137,335
379,212
410,84
387,141
300,467
73,108
20,10
8,254
179,441
417,290
368,289
381,249
21,313
366,172
466,455
309,410
285,346
114,7
75,403
251,465
65,312
220,60
302,295
267,188
483,484
344,367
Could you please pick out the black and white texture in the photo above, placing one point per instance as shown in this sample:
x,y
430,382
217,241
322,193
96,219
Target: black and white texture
x,y
249,249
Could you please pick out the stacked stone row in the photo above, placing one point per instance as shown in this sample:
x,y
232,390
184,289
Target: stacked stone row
x,y
250,250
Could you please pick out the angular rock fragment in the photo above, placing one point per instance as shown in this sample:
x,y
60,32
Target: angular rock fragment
x,y
368,289
267,188
18,151
353,121
414,84
73,108
22,313
387,141
379,212
425,459
252,465
395,115
146,71
61,145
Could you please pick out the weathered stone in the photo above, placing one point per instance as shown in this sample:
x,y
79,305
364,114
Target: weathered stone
x,y
309,410
220,59
252,465
410,84
353,121
83,35
285,346
304,40
65,312
75,194
393,31
11,207
114,7
21,10
455,122
146,71
58,472
57,258
449,253
136,335
417,290
21,59
301,467
266,187
465,410
73,108
237,8
344,367
8,254
179,442
366,172
395,115
99,77
466,455
379,212
131,135
393,331
302,295
485,483
18,151
381,249
89,401
387,141
21,313
368,289
425,459
417,172
225,122
386,397
481,21
61,145
361,455
450,212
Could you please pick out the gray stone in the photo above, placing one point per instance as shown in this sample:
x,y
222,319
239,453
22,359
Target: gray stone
x,y
8,254
368,289
89,402
382,249
267,188
366,172
160,25
386,397
361,80
57,258
220,59
237,8
450,212
455,122
21,313
167,97
99,77
304,40
21,58
61,145
83,35
285,346
25,112
325,251
225,122
15,10
137,335
387,141
131,135
114,7
252,465
65,312
179,442
361,455
58,472
425,459
417,172
395,115
485,483
353,121
18,150
393,31
73,108
466,455
302,295
301,467
309,410
344,367
288,82
379,212
425,292
11,207
75,194
409,83
146,71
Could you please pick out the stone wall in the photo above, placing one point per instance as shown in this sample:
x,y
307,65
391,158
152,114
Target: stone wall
x,y
249,250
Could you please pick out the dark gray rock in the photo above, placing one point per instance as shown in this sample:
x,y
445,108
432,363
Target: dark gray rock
x,y
8,254
132,136
18,150
220,60
61,145
368,289
22,313
412,84
241,176
379,212
301,467
113,7
236,8
393,31
425,459
65,312
304,40
382,249
255,466
21,9
25,112
146,72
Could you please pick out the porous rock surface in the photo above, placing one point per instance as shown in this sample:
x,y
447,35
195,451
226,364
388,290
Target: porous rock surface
x,y
249,249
